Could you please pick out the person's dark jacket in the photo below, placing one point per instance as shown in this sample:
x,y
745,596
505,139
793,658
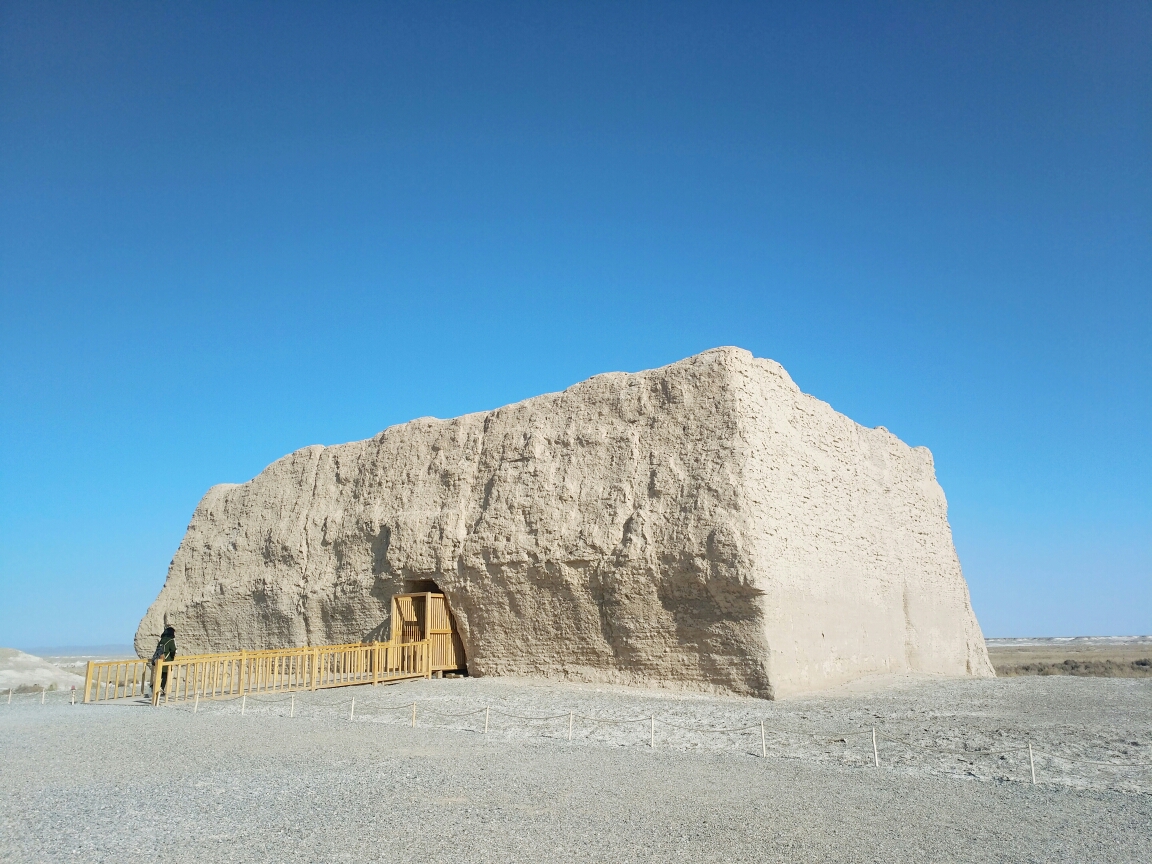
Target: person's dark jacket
x,y
166,647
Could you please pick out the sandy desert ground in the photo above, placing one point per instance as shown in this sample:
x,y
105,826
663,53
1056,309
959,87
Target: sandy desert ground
x,y
130,782
31,672
1094,656
26,673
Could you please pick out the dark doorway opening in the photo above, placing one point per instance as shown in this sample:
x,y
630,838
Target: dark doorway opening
x,y
421,614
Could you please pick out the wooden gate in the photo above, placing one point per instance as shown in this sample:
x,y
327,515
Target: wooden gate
x,y
420,617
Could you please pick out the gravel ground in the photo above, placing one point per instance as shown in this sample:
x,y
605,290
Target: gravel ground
x,y
128,782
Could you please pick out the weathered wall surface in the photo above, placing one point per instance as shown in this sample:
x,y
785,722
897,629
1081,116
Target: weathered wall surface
x,y
704,525
852,545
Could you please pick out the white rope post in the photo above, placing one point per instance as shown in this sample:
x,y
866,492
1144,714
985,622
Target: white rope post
x,y
196,706
243,704
652,743
486,710
571,717
352,713
875,752
42,692
9,695
292,706
73,700
413,715
763,745
1031,763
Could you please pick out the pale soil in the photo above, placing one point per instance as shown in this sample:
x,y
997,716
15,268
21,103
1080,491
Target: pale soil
x,y
1104,657
26,673
129,782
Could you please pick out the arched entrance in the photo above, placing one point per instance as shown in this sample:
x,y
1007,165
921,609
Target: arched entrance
x,y
422,613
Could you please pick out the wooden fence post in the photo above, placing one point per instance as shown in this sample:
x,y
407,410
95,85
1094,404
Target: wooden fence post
x,y
87,684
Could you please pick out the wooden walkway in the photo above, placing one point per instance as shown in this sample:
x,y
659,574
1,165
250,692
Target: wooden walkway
x,y
238,673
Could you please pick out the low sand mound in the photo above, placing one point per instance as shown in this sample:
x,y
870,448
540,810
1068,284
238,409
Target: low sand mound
x,y
27,672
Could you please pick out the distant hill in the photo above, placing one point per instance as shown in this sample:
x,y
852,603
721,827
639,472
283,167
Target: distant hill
x,y
26,672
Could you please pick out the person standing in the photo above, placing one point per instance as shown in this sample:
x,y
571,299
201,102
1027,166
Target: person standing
x,y
166,651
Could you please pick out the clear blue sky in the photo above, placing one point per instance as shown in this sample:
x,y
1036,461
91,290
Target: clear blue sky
x,y
230,231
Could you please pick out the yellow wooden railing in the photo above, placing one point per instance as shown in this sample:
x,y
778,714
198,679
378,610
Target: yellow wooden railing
x,y
238,673
115,679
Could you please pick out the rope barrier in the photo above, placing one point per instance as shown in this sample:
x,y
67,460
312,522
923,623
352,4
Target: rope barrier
x,y
521,717
464,714
836,738
1091,762
694,729
841,737
945,750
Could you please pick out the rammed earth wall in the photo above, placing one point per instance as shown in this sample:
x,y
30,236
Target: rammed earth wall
x,y
704,526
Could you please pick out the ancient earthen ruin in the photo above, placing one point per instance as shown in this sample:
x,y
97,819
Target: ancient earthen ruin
x,y
705,525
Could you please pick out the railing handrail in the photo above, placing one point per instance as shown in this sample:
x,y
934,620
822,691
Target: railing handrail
x,y
305,667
